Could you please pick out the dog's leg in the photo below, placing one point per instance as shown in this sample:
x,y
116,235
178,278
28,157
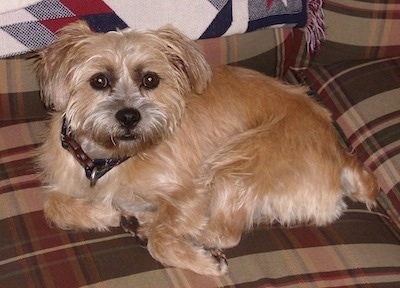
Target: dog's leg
x,y
264,175
358,182
73,213
173,235
230,214
230,180
131,225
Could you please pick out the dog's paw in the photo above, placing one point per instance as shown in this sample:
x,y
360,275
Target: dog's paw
x,y
175,252
130,224
219,256
211,262
222,266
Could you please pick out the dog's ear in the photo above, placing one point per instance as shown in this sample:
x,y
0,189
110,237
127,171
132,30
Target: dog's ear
x,y
55,61
186,57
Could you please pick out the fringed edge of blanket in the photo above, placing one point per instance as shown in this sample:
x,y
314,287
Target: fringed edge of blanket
x,y
315,28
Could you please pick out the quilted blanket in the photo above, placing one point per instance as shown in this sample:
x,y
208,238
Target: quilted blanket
x,y
28,28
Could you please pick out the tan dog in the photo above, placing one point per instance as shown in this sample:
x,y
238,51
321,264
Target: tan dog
x,y
212,152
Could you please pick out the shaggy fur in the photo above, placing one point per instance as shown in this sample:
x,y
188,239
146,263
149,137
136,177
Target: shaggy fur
x,y
213,151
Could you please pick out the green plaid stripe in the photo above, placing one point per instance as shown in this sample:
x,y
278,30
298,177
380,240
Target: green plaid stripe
x,y
364,98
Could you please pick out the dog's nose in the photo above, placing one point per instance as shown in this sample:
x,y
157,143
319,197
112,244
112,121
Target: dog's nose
x,y
128,117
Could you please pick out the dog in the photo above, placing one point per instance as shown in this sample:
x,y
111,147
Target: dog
x,y
189,157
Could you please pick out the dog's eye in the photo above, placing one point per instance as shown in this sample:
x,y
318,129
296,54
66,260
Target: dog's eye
x,y
99,81
150,80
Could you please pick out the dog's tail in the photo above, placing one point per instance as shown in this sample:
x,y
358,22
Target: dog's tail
x,y
358,182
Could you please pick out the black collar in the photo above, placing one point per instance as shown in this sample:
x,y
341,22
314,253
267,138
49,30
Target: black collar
x,y
94,168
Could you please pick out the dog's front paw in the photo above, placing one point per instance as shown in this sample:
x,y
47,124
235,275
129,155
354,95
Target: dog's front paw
x,y
220,263
79,213
130,224
220,257
179,253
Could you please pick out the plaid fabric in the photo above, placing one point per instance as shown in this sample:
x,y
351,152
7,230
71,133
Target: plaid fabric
x,y
364,97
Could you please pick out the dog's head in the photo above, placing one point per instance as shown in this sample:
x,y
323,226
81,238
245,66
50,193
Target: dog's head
x,y
121,91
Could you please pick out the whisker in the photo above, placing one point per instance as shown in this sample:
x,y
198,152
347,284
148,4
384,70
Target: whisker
x,y
112,140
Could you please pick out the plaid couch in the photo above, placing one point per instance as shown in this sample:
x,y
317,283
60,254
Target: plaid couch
x,y
356,74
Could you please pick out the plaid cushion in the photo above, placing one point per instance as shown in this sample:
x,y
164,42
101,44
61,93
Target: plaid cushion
x,y
364,97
